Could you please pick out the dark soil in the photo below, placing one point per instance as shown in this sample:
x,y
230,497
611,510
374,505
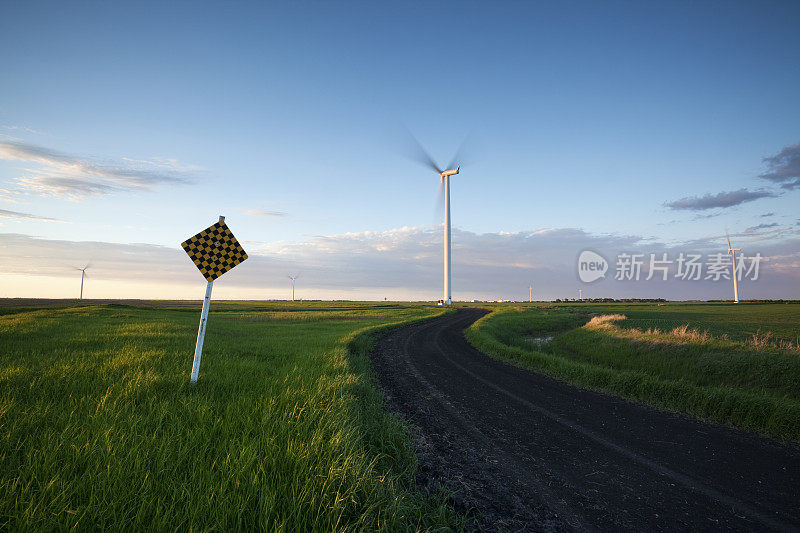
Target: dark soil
x,y
521,451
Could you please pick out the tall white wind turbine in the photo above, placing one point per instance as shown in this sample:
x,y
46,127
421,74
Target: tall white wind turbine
x,y
732,253
444,176
83,275
444,190
530,293
292,278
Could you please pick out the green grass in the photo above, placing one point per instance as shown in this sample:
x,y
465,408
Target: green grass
x,y
738,321
100,428
735,365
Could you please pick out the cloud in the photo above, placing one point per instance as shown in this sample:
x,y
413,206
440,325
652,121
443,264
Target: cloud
x,y
721,200
23,129
765,215
753,229
784,167
68,176
9,195
52,257
406,263
263,213
4,213
706,216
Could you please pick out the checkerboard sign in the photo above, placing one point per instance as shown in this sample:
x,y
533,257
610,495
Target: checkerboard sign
x,y
214,250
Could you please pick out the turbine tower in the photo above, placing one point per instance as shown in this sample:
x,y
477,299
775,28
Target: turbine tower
x,y
444,176
530,293
732,253
292,278
580,294
83,275
423,157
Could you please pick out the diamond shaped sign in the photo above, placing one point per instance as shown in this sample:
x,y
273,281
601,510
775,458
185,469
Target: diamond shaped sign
x,y
214,250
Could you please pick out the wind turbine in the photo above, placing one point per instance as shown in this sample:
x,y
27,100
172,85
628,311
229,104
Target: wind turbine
x,y
292,278
83,275
530,293
732,253
580,294
444,190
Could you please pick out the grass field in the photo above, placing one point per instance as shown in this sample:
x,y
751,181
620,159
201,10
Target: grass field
x,y
100,428
739,365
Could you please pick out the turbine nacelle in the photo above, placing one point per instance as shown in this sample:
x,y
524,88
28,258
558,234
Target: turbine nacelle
x,y
730,249
445,173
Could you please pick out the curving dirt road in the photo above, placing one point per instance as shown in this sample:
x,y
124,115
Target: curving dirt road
x,y
526,452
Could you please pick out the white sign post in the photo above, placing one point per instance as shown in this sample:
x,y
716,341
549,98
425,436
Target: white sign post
x,y
201,332
214,251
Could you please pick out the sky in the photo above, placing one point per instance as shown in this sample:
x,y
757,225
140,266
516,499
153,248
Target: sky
x,y
638,128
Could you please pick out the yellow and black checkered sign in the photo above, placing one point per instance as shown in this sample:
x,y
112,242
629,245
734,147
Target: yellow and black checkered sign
x,y
214,250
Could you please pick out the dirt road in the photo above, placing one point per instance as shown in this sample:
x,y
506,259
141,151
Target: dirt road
x,y
526,452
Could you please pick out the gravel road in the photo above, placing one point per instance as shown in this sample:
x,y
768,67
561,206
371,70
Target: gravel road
x,y
522,451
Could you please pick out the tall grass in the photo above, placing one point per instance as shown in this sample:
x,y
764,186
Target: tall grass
x,y
754,385
758,341
100,428
739,322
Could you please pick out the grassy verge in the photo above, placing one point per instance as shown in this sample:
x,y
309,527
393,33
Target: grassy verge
x,y
730,378
100,429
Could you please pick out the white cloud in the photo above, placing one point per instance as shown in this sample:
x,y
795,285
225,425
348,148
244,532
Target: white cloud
x,y
263,213
9,195
760,227
24,129
68,176
4,213
406,263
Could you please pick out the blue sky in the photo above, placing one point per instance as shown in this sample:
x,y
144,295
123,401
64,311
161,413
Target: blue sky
x,y
583,116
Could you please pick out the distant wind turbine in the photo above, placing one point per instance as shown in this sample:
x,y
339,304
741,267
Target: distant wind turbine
x,y
423,157
580,294
292,278
530,293
83,275
732,253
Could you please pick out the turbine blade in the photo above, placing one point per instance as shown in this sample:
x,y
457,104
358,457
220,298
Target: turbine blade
x,y
418,154
460,155
439,209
